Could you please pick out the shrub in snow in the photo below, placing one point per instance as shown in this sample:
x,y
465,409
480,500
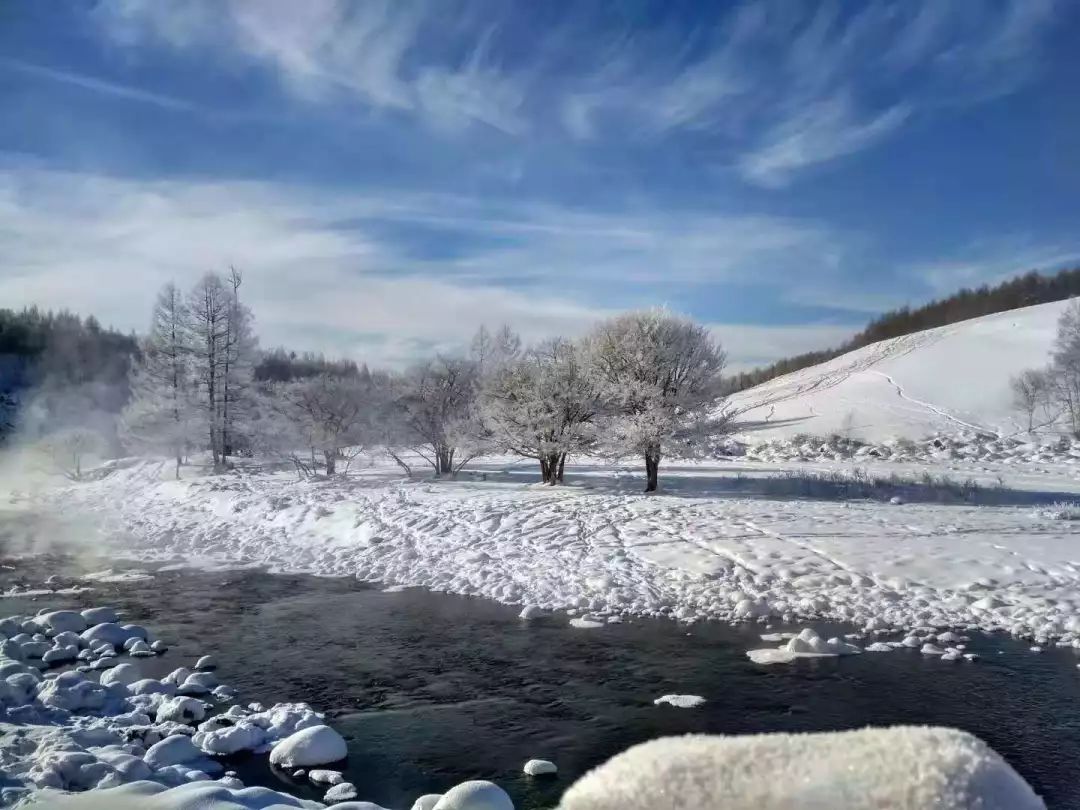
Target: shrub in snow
x,y
475,795
539,767
900,768
317,745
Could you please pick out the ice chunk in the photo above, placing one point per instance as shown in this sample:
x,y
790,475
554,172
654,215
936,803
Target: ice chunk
x,y
680,701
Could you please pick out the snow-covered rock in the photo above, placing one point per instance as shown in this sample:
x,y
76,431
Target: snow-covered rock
x,y
100,615
60,621
108,632
316,745
125,674
475,795
181,710
206,662
540,767
902,768
174,750
427,801
530,612
341,792
322,776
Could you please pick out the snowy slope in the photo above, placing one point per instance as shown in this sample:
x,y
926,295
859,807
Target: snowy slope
x,y
943,380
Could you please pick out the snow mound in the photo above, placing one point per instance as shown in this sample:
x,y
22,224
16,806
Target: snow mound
x,y
902,768
316,745
906,386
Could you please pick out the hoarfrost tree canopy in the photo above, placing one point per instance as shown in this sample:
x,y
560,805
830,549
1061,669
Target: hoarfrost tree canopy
x,y
1065,365
327,413
162,415
543,406
222,348
434,412
660,375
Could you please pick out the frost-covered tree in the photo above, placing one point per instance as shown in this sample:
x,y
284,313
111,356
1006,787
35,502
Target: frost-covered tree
x,y
1064,369
1030,392
222,347
661,378
492,351
433,412
543,406
329,414
67,450
161,415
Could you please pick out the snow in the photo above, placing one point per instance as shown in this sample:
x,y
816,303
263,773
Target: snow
x,y
680,701
909,386
340,792
540,767
315,745
806,644
195,796
175,750
903,768
427,801
475,795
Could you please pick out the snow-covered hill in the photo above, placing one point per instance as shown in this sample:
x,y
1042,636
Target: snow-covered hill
x,y
946,380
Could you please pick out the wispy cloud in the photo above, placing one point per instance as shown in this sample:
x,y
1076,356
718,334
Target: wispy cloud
x,y
989,261
324,272
98,85
329,50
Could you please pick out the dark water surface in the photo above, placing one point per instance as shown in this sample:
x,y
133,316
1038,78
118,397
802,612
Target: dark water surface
x,y
431,689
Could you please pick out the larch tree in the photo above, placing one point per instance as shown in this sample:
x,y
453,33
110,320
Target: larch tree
x,y
660,375
161,415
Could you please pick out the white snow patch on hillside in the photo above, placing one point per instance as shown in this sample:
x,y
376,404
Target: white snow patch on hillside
x,y
941,380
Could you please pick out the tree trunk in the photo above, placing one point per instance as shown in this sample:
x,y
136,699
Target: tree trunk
x,y
331,461
178,461
652,467
562,467
444,461
545,471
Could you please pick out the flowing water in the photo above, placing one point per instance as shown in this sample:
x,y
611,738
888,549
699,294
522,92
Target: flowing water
x,y
431,689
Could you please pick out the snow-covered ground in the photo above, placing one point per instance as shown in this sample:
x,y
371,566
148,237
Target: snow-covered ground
x,y
941,380
728,540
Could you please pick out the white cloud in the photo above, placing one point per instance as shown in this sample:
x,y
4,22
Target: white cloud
x,y
104,245
990,261
327,50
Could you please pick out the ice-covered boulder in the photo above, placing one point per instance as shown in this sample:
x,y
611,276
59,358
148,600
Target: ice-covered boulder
x,y
475,795
317,745
902,768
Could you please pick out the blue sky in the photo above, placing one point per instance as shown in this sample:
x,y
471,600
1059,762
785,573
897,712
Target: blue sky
x,y
391,174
